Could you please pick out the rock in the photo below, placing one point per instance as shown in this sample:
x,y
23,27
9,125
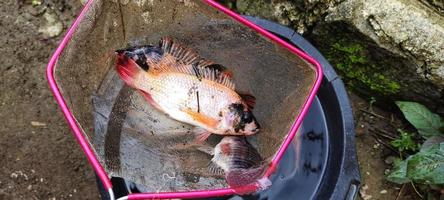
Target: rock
x,y
37,10
36,123
389,160
300,14
52,27
376,146
435,4
389,50
83,2
383,192
406,34
124,2
36,2
363,192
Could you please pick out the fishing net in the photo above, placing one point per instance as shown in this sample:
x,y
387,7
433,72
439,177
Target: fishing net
x,y
133,140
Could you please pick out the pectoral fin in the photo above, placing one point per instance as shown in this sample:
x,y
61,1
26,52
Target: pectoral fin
x,y
150,100
201,135
201,118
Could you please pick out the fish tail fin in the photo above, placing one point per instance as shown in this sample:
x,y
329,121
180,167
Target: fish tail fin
x,y
241,179
127,69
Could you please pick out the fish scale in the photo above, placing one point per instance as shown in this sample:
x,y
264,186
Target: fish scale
x,y
212,97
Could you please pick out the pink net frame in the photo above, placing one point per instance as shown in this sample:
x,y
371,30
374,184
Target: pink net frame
x,y
98,168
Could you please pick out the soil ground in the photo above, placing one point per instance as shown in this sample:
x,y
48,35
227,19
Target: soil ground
x,y
39,156
375,154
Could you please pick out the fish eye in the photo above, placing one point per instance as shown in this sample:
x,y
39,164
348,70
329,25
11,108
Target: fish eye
x,y
247,116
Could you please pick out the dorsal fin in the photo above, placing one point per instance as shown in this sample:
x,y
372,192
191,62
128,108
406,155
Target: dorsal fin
x,y
179,51
222,69
202,63
188,56
169,64
249,99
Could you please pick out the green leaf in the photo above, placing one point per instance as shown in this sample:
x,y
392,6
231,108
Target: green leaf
x,y
405,142
430,142
426,167
442,126
427,123
399,172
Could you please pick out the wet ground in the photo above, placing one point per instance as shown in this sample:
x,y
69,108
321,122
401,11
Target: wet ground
x,y
39,156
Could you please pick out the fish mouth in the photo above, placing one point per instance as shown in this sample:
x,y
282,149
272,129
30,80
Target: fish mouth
x,y
256,130
252,128
252,132
120,51
140,54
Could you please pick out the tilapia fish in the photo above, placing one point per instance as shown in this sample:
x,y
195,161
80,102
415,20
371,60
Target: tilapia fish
x,y
238,160
188,88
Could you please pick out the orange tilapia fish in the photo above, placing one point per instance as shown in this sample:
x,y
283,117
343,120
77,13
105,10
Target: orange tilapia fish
x,y
190,89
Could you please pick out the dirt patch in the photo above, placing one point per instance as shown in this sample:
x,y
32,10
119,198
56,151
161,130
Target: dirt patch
x,y
375,153
39,156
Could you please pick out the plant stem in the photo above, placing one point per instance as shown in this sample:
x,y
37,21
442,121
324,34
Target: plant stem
x,y
374,114
385,144
400,191
414,188
385,134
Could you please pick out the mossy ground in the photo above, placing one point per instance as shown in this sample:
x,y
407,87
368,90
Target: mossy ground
x,y
353,63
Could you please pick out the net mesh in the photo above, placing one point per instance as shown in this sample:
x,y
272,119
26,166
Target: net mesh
x,y
133,140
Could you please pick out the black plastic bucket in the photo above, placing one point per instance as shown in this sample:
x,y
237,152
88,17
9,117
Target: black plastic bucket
x,y
327,166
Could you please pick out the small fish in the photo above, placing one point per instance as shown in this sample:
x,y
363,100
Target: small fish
x,y
188,88
238,160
